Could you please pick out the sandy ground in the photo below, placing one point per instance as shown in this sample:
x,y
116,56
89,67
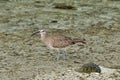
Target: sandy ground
x,y
25,58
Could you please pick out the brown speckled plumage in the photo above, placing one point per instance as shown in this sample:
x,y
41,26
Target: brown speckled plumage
x,y
58,41
61,41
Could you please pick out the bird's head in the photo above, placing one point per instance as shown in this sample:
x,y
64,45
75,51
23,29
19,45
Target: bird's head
x,y
42,32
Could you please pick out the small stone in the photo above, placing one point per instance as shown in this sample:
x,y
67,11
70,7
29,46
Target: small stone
x,y
54,21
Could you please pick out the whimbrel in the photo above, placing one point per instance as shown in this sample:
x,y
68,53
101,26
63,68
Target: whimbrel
x,y
58,42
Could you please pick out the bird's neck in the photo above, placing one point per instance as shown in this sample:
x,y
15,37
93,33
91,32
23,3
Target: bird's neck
x,y
43,36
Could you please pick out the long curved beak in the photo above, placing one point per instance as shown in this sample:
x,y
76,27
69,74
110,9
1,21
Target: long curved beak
x,y
35,33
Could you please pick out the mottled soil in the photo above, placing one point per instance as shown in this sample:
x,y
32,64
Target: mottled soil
x,y
23,57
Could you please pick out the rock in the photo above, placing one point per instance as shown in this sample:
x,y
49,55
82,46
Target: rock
x,y
89,67
63,6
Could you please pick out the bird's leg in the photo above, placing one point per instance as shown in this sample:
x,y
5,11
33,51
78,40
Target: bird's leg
x,y
64,54
58,54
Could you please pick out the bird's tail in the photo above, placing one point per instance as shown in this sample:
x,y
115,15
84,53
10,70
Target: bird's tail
x,y
78,40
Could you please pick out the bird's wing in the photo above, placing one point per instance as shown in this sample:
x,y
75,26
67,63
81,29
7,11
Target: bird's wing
x,y
61,41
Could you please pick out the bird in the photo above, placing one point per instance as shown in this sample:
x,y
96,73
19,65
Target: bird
x,y
58,42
